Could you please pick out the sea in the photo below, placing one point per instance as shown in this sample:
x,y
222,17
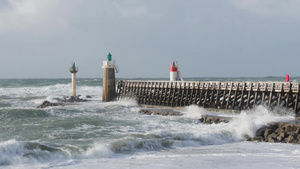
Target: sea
x,y
114,135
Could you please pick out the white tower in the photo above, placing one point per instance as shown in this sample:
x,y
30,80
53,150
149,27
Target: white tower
x,y
73,70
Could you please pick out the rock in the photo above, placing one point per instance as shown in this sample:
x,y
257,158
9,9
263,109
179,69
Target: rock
x,y
61,102
270,140
75,99
260,132
272,135
160,112
44,104
268,131
205,119
289,139
278,132
282,134
47,104
257,139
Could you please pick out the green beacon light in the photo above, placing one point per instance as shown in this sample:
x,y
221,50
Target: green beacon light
x,y
73,67
109,57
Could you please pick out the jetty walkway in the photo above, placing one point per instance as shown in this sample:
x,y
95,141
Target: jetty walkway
x,y
212,94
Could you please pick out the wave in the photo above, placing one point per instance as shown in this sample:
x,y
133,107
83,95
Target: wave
x,y
58,89
33,96
190,132
17,152
155,133
113,129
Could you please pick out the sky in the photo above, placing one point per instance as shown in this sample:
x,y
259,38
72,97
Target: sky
x,y
230,38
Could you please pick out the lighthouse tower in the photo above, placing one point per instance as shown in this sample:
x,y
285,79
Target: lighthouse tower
x,y
73,70
173,72
109,82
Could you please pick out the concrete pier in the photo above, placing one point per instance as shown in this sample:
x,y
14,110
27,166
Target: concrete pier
x,y
109,82
213,94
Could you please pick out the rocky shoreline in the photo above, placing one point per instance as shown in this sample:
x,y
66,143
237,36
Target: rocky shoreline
x,y
63,102
160,112
277,132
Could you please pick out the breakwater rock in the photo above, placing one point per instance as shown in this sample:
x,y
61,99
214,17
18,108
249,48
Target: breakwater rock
x,y
160,112
278,132
63,102
47,104
205,119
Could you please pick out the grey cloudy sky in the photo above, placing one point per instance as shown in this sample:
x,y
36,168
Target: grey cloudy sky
x,y
209,38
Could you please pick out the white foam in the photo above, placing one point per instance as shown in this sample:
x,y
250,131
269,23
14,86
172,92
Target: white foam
x,y
36,95
127,102
15,152
245,155
53,90
10,151
98,151
248,122
193,111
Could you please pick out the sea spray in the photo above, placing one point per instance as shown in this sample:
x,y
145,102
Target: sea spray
x,y
193,111
248,122
98,150
243,125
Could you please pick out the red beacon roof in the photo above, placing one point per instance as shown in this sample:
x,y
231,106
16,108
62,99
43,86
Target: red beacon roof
x,y
173,67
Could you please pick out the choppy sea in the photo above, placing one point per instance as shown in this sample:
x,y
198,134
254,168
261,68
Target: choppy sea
x,y
114,135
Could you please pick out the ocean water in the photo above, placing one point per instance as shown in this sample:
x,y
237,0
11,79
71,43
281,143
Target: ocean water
x,y
114,135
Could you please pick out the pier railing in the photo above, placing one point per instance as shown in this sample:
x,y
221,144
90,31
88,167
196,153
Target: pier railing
x,y
212,94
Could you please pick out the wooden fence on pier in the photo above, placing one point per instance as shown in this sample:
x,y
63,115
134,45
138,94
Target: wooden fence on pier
x,y
220,95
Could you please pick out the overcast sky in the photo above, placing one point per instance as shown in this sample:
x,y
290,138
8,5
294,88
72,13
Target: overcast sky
x,y
208,38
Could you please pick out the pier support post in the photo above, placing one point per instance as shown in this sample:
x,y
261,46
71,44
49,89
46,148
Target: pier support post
x,y
109,82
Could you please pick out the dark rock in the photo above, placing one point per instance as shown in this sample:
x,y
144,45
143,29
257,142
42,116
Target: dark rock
x,y
268,131
213,119
44,104
61,102
279,132
160,112
247,137
270,140
257,139
290,139
47,104
283,134
273,136
75,99
260,132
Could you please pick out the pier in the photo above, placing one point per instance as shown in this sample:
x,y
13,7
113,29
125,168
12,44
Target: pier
x,y
212,94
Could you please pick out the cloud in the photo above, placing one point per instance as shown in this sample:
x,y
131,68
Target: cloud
x,y
271,8
130,8
36,16
33,16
